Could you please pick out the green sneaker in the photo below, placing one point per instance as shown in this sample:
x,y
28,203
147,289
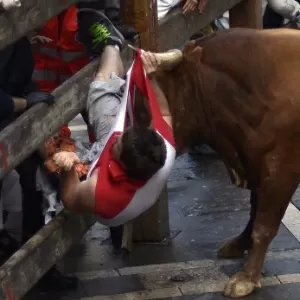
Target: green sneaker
x,y
96,31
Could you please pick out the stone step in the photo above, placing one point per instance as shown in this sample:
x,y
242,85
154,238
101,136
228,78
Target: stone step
x,y
162,281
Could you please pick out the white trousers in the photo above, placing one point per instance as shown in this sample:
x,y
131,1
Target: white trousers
x,y
164,6
287,8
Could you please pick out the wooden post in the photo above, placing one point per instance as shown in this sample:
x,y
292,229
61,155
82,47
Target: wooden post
x,y
142,15
248,14
153,225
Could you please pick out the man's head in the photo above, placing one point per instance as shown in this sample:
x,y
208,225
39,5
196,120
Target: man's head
x,y
141,150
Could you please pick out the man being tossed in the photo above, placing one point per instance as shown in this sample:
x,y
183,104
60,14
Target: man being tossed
x,y
140,151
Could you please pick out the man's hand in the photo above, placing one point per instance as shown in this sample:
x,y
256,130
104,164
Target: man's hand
x,y
150,62
189,6
38,97
66,160
40,39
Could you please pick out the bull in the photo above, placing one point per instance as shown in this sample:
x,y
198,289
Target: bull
x,y
238,91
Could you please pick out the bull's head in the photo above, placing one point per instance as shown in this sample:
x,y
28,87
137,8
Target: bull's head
x,y
169,60
179,76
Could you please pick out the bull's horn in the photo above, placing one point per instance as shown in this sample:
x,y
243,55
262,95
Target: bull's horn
x,y
169,59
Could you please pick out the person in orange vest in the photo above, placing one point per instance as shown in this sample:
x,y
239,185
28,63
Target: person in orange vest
x,y
57,53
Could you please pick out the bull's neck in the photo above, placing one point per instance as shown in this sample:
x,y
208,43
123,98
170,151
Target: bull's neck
x,y
191,115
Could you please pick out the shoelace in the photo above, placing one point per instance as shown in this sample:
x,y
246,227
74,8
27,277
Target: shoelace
x,y
99,34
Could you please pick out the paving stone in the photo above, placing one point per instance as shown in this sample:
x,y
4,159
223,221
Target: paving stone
x,y
52,294
279,267
112,285
169,293
289,278
279,292
207,210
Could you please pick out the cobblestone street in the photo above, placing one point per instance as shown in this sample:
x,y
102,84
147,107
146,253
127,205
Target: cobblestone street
x,y
205,210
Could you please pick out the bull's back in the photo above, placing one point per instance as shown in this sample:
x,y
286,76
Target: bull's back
x,y
253,86
258,69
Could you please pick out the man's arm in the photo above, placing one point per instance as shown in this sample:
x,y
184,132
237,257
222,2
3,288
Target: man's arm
x,y
151,65
75,195
162,101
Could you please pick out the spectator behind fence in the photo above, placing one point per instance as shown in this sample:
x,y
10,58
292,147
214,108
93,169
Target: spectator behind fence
x,y
17,93
164,6
278,10
10,215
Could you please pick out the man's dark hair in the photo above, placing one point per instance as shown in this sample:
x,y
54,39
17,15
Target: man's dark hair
x,y
143,152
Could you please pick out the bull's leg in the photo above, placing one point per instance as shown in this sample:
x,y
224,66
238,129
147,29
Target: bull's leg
x,y
273,198
236,247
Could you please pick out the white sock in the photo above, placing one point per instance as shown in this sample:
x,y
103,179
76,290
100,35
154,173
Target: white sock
x,y
117,47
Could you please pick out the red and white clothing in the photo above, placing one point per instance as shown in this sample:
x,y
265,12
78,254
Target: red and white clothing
x,y
118,198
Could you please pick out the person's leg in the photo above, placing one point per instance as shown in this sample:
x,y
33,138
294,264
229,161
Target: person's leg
x,y
32,199
33,219
102,108
100,37
1,207
105,93
289,9
112,10
271,19
12,205
85,118
8,243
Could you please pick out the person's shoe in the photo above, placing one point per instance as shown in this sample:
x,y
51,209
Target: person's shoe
x,y
56,280
96,31
114,16
127,31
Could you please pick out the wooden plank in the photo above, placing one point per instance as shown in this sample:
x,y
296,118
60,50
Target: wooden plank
x,y
21,272
20,21
175,29
41,121
248,14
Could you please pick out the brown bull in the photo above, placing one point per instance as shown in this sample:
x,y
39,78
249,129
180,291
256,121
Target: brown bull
x,y
239,92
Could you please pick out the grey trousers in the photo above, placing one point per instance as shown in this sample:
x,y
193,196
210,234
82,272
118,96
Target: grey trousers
x,y
103,104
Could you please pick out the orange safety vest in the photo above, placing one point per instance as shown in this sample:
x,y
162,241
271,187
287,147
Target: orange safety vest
x,y
59,59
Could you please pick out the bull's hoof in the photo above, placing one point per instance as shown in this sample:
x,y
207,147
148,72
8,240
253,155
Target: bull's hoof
x,y
234,248
240,285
